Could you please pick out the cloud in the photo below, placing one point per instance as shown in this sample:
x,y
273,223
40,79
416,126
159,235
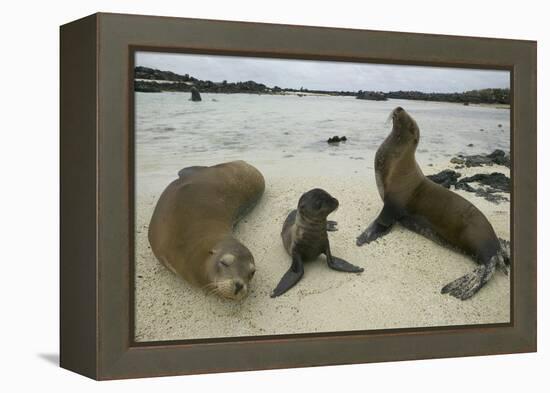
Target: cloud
x,y
325,75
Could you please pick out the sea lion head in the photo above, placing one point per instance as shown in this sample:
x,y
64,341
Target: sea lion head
x,y
317,204
405,130
230,269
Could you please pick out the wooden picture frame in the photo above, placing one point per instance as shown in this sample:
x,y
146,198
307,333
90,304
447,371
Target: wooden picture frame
x,y
96,267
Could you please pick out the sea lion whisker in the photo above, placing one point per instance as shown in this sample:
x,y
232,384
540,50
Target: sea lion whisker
x,y
184,226
212,291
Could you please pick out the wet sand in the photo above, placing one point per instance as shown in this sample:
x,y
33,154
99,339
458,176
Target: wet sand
x,y
400,287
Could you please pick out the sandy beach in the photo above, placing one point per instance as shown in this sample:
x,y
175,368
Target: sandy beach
x,y
284,136
400,287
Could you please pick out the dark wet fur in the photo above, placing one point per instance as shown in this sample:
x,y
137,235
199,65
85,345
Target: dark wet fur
x,y
488,251
492,256
313,209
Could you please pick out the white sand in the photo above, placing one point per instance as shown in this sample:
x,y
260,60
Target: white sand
x,y
399,288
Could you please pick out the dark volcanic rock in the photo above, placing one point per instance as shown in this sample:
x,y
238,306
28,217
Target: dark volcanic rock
x,y
498,157
147,80
495,198
497,181
371,95
337,139
492,184
154,74
146,87
446,178
492,96
195,95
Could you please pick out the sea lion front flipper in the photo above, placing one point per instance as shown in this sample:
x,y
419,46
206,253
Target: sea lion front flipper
x,y
291,277
332,226
380,226
340,265
373,232
343,266
467,286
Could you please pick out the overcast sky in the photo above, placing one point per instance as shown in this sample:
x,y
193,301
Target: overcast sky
x,y
324,75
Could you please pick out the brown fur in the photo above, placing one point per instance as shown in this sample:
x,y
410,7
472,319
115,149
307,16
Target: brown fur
x,y
191,228
428,208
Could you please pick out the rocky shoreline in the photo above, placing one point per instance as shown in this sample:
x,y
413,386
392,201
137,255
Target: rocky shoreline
x,y
149,80
489,185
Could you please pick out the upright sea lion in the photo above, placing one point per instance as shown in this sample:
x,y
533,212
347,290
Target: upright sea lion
x,y
305,237
431,210
191,228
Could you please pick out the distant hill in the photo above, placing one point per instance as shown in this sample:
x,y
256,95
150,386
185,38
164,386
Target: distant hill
x,y
371,95
153,74
483,96
151,80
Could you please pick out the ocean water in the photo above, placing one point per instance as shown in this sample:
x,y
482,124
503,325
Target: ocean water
x,y
173,132
285,137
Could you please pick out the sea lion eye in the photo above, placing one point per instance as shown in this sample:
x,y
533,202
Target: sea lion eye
x,y
227,259
251,274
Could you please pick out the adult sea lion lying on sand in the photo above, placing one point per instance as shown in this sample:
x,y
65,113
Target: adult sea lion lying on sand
x,y
305,237
191,228
430,209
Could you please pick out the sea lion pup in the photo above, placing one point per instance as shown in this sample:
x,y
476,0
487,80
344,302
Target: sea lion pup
x,y
191,228
305,237
430,209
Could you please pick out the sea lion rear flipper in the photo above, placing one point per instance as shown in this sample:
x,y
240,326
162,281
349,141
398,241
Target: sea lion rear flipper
x,y
332,226
380,226
189,170
290,278
341,265
467,286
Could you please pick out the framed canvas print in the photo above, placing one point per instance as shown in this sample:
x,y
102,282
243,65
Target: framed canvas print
x,y
241,196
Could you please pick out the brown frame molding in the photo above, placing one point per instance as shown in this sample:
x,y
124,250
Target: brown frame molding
x,y
97,196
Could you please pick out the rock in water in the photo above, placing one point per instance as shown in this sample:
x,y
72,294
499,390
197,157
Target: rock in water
x,y
337,139
195,95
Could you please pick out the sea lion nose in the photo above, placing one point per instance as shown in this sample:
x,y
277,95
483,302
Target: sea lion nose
x,y
238,287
